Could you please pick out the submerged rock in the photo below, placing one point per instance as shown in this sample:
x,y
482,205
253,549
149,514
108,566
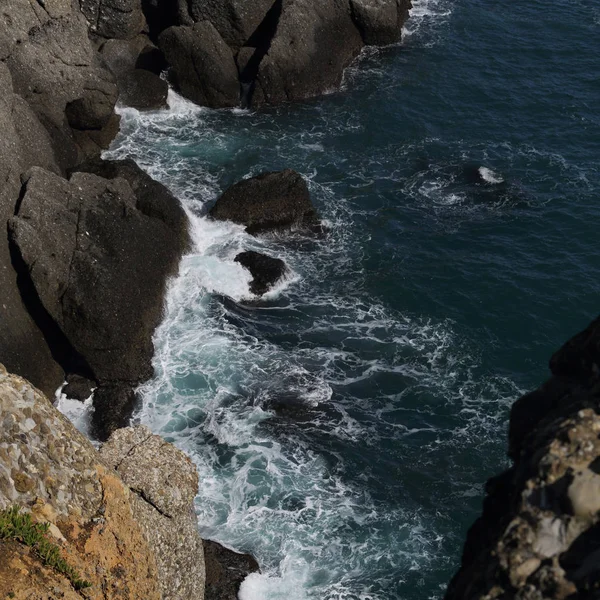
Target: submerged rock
x,y
266,202
539,532
225,571
266,270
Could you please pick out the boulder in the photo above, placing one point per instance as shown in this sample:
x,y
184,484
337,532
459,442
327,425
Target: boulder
x,y
235,20
380,22
580,356
313,43
143,90
54,66
78,387
225,571
97,264
266,270
164,482
266,202
203,65
121,19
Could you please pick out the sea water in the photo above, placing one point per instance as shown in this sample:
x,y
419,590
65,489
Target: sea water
x,y
344,425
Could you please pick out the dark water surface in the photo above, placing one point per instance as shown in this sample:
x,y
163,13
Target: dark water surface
x,y
344,427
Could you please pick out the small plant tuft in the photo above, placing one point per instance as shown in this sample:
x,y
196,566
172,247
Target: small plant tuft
x,y
18,526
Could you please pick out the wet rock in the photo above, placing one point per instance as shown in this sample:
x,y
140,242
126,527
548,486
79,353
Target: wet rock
x,y
580,356
266,270
143,90
266,202
312,45
97,254
380,22
113,408
78,387
225,571
203,66
164,482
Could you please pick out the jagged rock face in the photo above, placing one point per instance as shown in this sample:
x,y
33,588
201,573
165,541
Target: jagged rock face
x,y
380,21
266,202
203,65
49,469
540,530
53,67
97,257
121,19
266,270
165,482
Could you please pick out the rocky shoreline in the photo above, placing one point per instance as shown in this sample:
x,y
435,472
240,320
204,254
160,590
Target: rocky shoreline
x,y
90,245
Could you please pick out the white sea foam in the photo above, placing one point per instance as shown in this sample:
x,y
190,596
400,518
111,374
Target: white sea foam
x,y
79,413
490,176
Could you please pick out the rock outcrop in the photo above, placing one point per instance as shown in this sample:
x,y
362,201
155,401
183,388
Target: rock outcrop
x,y
267,202
122,518
266,271
285,50
539,534
95,254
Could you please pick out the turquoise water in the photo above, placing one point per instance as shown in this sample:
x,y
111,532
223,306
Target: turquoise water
x,y
344,426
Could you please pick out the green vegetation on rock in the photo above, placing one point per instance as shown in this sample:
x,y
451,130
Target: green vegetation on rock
x,y
18,526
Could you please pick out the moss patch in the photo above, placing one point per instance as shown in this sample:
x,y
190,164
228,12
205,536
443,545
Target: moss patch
x,y
18,526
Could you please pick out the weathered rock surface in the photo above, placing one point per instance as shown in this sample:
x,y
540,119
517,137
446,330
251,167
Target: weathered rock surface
x,y
97,254
164,482
122,517
49,469
143,90
225,571
539,533
266,270
266,202
203,65
380,21
121,19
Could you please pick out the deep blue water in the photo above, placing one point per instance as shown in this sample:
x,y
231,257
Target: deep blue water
x,y
344,427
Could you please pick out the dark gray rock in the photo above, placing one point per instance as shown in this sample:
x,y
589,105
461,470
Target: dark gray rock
x,y
225,571
269,201
78,387
113,408
314,42
380,22
235,20
143,90
203,66
580,356
122,19
98,266
266,270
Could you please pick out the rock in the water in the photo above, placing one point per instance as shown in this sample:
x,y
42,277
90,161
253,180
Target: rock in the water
x,y
203,65
225,571
580,356
143,90
165,482
235,20
266,202
380,22
313,43
266,270
97,260
78,387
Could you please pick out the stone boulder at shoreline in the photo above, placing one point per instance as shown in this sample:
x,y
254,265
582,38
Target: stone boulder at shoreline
x,y
95,255
266,271
267,202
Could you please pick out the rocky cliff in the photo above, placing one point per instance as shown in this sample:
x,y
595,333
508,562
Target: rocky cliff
x,y
539,534
122,519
